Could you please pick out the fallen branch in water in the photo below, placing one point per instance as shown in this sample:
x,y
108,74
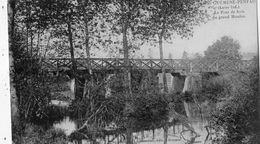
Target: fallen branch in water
x,y
192,139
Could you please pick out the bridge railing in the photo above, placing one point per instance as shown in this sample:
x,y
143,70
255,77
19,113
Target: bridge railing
x,y
146,64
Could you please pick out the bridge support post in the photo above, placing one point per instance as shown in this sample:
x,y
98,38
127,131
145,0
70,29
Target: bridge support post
x,y
191,67
165,87
178,82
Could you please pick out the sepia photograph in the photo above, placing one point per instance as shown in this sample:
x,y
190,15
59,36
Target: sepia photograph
x,y
133,71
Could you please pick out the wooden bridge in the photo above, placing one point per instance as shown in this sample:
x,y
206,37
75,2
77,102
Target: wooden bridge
x,y
170,65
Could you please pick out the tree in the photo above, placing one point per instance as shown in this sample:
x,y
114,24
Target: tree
x,y
71,21
128,11
224,53
25,27
89,10
119,18
32,95
197,56
65,16
185,55
168,17
238,118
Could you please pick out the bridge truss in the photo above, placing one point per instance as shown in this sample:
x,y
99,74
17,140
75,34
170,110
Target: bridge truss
x,y
170,65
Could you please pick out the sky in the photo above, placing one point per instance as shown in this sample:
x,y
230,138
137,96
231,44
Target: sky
x,y
244,30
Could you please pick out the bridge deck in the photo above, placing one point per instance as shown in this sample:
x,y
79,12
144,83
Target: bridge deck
x,y
54,64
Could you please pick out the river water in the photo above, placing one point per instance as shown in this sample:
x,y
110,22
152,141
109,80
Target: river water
x,y
177,134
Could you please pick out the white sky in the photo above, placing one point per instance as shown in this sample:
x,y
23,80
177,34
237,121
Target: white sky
x,y
243,30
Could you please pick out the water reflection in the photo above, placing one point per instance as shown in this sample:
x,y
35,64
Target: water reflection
x,y
67,125
178,134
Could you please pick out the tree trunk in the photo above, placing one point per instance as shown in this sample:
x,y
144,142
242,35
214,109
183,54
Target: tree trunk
x,y
126,58
153,134
38,41
165,134
74,66
127,78
127,74
84,3
27,41
31,38
86,31
142,135
165,88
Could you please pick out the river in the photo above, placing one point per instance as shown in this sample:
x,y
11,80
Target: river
x,y
176,134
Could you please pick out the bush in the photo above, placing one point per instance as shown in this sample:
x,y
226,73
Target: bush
x,y
147,110
36,134
237,117
29,81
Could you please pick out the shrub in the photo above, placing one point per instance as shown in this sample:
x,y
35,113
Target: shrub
x,y
237,117
36,134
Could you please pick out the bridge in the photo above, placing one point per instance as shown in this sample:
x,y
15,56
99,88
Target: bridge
x,y
170,65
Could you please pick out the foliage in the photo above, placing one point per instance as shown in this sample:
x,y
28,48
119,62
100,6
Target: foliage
x,y
79,109
96,108
31,89
147,110
36,134
215,87
112,109
124,20
225,52
33,93
237,117
45,25
97,23
53,114
144,112
166,18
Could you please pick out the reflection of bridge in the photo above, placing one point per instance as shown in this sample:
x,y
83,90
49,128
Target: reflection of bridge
x,y
170,65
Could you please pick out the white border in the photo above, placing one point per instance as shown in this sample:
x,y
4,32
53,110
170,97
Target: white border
x,y
5,120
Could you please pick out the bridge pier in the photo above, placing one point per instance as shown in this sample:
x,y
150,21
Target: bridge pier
x,y
142,80
177,82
